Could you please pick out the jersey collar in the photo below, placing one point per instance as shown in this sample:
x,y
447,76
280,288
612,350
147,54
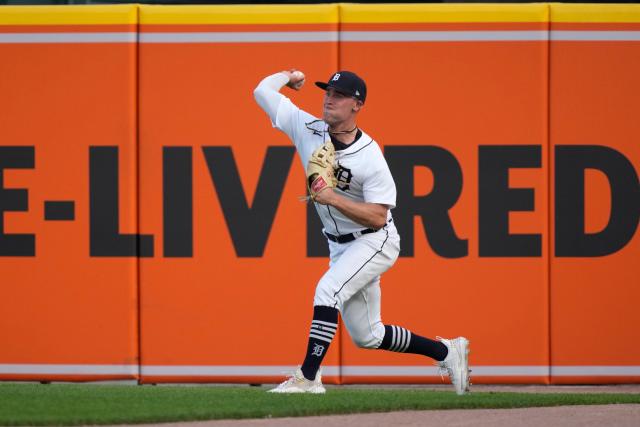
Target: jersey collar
x,y
341,145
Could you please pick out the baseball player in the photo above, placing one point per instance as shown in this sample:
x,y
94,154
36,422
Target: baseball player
x,y
353,192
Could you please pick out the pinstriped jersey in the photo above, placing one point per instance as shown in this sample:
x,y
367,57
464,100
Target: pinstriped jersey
x,y
361,170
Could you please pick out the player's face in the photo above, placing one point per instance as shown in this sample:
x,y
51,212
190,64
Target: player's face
x,y
338,107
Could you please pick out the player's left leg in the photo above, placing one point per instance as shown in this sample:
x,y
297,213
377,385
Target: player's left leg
x,y
324,325
307,378
353,265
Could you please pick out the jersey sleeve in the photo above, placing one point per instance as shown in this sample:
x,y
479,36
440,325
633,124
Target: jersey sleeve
x,y
379,186
267,94
284,114
288,118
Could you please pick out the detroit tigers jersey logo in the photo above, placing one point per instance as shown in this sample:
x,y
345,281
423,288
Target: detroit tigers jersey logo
x,y
344,176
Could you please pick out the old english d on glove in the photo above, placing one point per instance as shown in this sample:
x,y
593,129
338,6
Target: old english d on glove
x,y
320,169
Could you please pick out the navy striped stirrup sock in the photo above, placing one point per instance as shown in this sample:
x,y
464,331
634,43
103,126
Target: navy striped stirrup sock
x,y
401,340
323,328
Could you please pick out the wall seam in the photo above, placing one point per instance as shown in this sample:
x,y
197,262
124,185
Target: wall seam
x,y
137,142
339,66
549,190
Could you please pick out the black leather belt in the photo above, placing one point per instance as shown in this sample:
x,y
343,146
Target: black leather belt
x,y
346,238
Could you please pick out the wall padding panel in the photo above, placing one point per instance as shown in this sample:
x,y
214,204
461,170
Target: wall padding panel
x,y
595,277
228,294
69,168
458,98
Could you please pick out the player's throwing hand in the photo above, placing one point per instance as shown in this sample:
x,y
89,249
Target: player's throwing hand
x,y
296,78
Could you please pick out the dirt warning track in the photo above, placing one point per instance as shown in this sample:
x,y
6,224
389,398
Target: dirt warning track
x,y
565,416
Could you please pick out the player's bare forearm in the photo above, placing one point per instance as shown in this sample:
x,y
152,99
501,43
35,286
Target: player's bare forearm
x,y
370,215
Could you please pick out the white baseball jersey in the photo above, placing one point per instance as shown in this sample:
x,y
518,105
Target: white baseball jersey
x,y
362,172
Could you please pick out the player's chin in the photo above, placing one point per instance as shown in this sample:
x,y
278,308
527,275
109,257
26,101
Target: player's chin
x,y
329,117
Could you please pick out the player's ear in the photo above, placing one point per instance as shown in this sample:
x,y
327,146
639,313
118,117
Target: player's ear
x,y
358,106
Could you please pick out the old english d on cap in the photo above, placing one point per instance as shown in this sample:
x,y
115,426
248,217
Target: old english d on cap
x,y
347,83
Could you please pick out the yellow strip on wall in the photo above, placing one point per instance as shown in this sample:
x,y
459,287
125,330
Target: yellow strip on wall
x,y
240,14
68,15
318,14
594,12
415,13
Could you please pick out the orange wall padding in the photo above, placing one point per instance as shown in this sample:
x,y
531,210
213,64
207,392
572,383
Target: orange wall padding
x,y
151,223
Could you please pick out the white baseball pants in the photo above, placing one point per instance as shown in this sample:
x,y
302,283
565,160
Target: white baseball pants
x,y
352,283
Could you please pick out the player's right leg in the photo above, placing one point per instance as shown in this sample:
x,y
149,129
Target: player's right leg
x,y
456,364
361,315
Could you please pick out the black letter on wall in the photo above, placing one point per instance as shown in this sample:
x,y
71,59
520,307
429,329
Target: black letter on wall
x,y
316,240
496,200
177,200
434,207
249,226
105,239
571,239
16,200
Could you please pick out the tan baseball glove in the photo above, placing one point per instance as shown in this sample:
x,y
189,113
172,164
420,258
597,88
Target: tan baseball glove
x,y
320,169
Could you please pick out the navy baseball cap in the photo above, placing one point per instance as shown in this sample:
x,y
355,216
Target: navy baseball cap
x,y
347,83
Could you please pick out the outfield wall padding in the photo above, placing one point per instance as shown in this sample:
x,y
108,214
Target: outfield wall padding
x,y
150,223
595,135
68,149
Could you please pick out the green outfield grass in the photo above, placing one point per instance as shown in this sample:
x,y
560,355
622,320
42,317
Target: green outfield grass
x,y
73,404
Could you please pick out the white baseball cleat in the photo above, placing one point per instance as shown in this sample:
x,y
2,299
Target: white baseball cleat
x,y
456,364
297,383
